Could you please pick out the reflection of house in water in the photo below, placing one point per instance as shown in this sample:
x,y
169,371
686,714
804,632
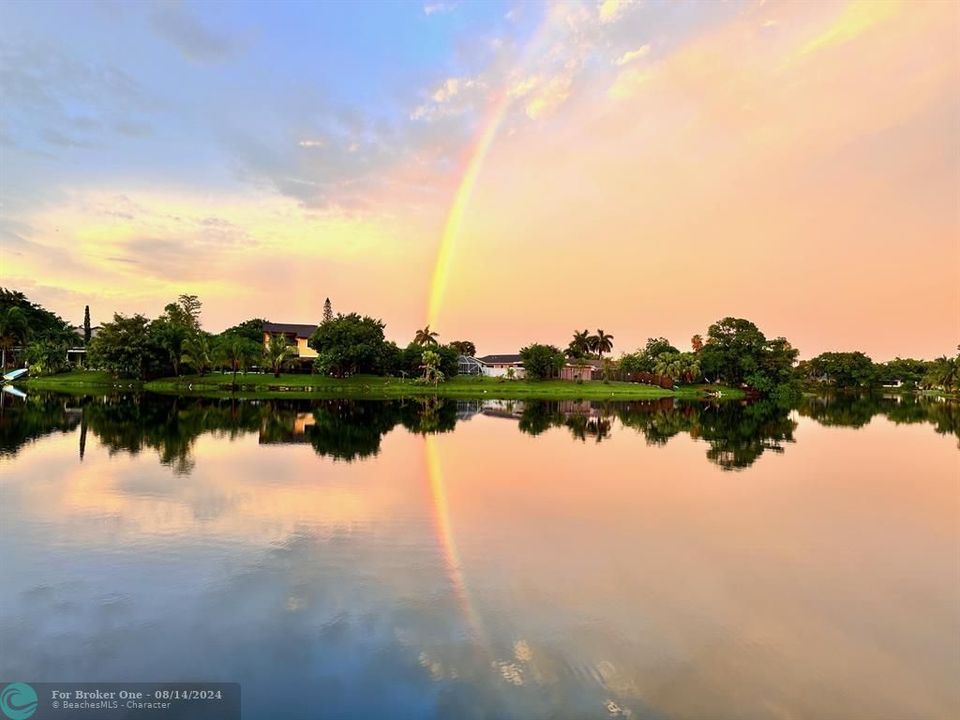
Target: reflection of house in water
x,y
515,408
466,409
292,427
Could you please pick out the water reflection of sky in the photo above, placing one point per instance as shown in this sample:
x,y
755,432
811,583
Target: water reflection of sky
x,y
597,579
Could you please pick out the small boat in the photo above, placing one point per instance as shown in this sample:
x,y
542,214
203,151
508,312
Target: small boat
x,y
15,375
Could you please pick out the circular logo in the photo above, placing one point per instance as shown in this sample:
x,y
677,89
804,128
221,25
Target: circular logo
x,y
18,701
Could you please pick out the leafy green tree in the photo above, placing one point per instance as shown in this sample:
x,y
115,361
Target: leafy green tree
x,y
776,366
464,347
737,352
449,360
40,323
327,310
349,344
903,370
844,369
13,330
170,335
645,360
541,361
601,343
426,336
391,360
179,323
47,355
579,346
126,348
190,306
632,363
251,330
410,360
278,352
87,330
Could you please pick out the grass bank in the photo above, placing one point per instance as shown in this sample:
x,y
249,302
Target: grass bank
x,y
254,386
79,381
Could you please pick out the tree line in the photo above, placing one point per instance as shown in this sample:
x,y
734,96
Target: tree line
x,y
736,352
733,352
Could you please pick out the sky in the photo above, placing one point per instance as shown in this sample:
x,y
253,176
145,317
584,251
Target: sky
x,y
508,172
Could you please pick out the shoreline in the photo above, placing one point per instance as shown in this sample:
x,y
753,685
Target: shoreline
x,y
265,386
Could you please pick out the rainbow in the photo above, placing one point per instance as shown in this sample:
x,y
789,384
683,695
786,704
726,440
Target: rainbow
x,y
476,155
451,230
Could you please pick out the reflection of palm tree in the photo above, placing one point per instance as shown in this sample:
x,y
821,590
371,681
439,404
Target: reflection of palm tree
x,y
426,337
13,330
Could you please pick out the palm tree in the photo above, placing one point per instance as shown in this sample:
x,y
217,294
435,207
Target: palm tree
x,y
431,367
197,354
426,337
678,366
13,330
580,345
944,372
601,343
236,352
278,352
696,342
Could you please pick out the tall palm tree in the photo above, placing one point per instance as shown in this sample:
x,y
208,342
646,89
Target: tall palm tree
x,y
13,330
426,337
579,345
601,343
696,342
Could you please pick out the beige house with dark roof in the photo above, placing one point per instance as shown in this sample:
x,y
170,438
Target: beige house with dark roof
x,y
296,334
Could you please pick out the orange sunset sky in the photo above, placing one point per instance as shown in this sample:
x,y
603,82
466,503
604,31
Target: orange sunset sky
x,y
507,172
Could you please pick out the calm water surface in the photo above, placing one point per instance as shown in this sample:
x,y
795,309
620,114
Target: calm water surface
x,y
434,559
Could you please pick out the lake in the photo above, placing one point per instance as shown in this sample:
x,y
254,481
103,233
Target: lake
x,y
449,559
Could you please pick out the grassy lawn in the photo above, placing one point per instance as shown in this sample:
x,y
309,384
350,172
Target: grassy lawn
x,y
366,386
78,380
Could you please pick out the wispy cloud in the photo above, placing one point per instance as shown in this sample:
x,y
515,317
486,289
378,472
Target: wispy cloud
x,y
439,7
195,40
631,55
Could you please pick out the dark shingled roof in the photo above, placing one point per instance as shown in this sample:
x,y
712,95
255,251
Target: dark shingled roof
x,y
290,329
499,359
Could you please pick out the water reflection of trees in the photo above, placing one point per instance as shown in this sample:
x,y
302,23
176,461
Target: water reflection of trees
x,y
170,426
23,421
736,433
858,410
